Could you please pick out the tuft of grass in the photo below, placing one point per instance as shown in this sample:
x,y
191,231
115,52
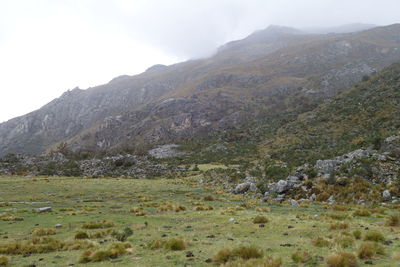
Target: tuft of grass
x,y
10,218
208,198
114,251
100,255
374,236
98,225
4,261
339,226
239,253
267,261
174,244
393,220
357,234
362,213
344,241
396,256
260,219
43,232
368,250
301,256
320,242
81,235
342,259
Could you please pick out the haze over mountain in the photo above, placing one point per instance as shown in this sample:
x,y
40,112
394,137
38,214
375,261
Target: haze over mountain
x,y
273,71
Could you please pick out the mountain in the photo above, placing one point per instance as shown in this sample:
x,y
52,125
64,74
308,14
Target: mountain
x,y
347,28
275,71
361,117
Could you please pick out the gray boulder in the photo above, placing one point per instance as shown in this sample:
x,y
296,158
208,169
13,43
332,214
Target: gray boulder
x,y
294,203
242,188
386,195
44,209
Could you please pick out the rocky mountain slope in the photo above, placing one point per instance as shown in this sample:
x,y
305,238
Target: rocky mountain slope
x,y
272,72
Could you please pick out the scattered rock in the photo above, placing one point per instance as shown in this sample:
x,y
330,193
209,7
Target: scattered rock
x,y
44,209
58,225
386,195
294,203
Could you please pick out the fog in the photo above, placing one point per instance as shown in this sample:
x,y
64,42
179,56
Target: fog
x,y
47,47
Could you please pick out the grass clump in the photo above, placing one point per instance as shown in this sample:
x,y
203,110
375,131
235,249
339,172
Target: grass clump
x,y
239,253
374,236
362,213
368,250
81,235
339,226
301,256
320,242
174,244
114,251
260,219
208,198
357,234
267,261
98,225
10,218
396,256
122,235
393,220
342,259
344,241
43,232
4,261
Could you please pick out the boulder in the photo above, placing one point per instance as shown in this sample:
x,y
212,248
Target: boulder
x,y
44,209
242,188
294,203
386,195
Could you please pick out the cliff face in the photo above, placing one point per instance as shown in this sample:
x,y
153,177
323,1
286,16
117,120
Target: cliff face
x,y
274,71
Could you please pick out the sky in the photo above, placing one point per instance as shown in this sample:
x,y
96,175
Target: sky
x,y
48,47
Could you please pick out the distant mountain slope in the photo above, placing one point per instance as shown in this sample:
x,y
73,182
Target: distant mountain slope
x,y
361,116
274,71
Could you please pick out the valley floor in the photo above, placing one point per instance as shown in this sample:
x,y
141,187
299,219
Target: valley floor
x,y
178,222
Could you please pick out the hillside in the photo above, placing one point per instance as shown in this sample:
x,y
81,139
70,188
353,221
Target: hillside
x,y
360,117
274,72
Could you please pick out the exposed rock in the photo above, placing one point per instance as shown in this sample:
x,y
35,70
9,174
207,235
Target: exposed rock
x,y
165,151
44,209
242,188
386,195
294,203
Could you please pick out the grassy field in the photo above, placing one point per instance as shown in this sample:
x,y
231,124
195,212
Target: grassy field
x,y
178,222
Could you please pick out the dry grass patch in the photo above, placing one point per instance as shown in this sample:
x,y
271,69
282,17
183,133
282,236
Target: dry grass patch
x,y
339,226
321,242
301,256
260,219
174,244
98,224
240,253
10,218
393,220
44,232
267,261
342,259
114,251
362,213
368,250
4,261
374,236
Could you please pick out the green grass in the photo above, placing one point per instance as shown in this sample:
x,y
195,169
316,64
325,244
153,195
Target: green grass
x,y
105,204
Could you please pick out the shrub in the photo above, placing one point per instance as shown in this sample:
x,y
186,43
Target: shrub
x,y
81,235
43,232
339,226
374,236
301,256
342,259
357,234
368,250
98,225
260,219
393,220
320,242
4,261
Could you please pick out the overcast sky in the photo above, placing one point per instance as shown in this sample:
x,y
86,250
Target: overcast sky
x,y
50,46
